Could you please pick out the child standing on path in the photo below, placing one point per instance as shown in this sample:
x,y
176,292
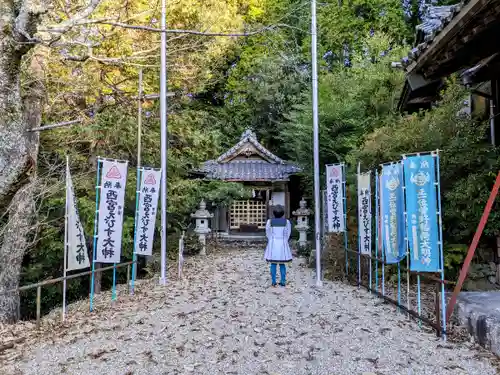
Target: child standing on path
x,y
278,232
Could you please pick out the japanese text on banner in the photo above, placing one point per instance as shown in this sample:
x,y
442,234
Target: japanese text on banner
x,y
110,225
335,198
324,200
146,219
393,228
76,248
419,173
364,213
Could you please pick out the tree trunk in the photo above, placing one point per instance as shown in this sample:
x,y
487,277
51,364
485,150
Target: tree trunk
x,y
18,152
16,238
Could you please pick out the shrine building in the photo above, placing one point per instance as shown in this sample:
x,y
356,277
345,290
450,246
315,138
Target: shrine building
x,y
268,176
459,39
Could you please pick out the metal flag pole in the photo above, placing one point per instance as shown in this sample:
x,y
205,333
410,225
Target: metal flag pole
x,y
163,143
138,176
376,229
65,262
407,238
113,289
371,235
381,232
359,232
399,284
96,221
441,250
344,199
317,218
134,256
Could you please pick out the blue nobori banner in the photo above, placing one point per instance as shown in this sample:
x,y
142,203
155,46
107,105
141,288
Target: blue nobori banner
x,y
393,222
421,203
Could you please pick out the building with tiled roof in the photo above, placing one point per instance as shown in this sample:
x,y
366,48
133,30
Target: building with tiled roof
x,y
461,38
249,162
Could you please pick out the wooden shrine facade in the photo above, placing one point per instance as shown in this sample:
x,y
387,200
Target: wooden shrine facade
x,y
463,39
266,174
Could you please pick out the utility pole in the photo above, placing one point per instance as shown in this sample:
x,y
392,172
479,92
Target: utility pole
x,y
317,216
163,142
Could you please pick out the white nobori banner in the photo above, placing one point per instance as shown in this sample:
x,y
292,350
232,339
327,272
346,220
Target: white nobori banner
x,y
364,213
335,198
111,200
76,248
146,217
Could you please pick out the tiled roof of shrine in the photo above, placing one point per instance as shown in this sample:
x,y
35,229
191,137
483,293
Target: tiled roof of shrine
x,y
248,160
435,19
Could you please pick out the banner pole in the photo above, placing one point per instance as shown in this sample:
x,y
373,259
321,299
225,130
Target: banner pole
x,y
359,232
399,283
314,87
371,233
323,219
65,261
96,218
440,224
344,188
181,256
399,286
134,254
381,240
113,292
163,145
376,229
407,243
419,307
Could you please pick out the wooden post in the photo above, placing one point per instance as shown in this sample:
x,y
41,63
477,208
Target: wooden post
x,y
97,279
38,302
437,302
287,201
268,212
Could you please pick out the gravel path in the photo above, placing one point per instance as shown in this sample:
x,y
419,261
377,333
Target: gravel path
x,y
225,319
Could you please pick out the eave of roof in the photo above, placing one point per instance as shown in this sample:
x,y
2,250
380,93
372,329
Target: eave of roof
x,y
248,170
436,23
439,26
488,67
226,168
248,137
446,39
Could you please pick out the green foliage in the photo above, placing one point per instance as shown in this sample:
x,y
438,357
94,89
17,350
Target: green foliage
x,y
455,256
262,92
467,162
349,23
262,82
304,251
352,102
192,244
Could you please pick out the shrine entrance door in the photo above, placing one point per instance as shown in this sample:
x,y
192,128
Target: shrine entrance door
x,y
248,213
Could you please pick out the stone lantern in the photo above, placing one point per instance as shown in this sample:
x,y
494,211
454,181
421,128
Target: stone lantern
x,y
302,226
202,216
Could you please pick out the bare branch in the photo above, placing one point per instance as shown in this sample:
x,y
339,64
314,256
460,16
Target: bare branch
x,y
174,31
27,21
53,126
79,17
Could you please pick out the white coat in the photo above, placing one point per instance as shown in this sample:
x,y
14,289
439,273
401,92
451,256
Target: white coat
x,y
278,249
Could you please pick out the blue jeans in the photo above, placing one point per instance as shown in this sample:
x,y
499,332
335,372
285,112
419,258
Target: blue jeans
x,y
282,273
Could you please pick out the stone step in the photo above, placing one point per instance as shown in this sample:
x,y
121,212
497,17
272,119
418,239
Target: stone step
x,y
480,313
